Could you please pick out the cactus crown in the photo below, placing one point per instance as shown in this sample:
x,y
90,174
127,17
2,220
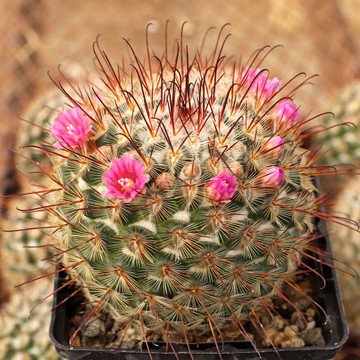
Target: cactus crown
x,y
180,196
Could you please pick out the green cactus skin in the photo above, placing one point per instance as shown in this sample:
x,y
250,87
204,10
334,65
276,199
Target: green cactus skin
x,y
172,262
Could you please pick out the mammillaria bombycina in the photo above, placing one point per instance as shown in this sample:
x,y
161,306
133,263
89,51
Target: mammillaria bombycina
x,y
180,198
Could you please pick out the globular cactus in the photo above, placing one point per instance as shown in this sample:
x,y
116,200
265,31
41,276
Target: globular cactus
x,y
33,129
346,246
343,141
180,197
21,337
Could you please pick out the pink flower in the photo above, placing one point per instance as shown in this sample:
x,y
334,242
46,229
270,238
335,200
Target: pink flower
x,y
71,128
271,86
125,178
286,113
274,147
222,188
272,177
262,85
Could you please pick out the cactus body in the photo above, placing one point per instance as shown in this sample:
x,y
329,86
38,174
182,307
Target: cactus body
x,y
179,192
344,144
21,337
343,141
346,246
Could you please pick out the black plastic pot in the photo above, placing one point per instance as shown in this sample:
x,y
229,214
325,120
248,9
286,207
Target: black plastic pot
x,y
335,330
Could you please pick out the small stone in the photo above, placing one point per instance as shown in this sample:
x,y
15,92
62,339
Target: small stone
x,y
311,324
278,322
313,337
94,327
310,313
131,331
291,331
298,320
302,304
131,337
270,333
295,341
279,338
232,334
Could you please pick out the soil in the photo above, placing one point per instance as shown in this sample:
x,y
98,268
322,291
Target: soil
x,y
287,327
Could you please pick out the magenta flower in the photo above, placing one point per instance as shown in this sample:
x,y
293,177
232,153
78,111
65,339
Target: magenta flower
x,y
72,128
286,113
262,85
222,188
274,147
125,178
272,177
271,86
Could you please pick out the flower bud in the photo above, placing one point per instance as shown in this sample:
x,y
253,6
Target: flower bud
x,y
236,168
272,177
274,147
191,170
260,83
164,181
286,113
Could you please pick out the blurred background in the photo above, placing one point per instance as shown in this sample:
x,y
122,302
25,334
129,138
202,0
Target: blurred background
x,y
318,37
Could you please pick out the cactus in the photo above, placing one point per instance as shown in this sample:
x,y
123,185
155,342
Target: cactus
x,y
343,140
35,120
347,202
180,198
344,145
21,337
